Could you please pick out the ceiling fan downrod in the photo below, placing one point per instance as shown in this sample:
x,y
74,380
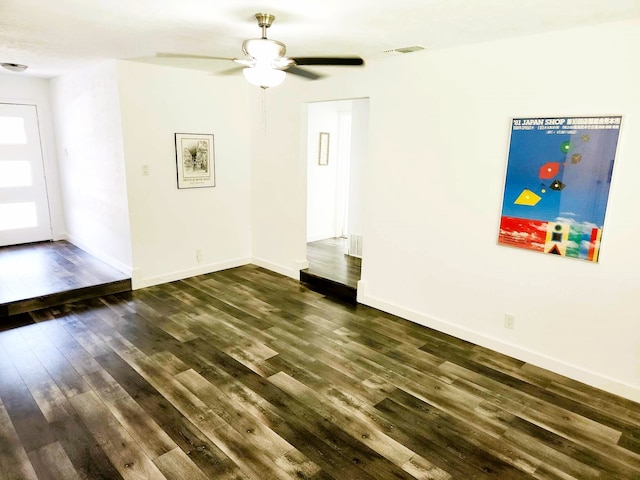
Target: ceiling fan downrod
x,y
264,21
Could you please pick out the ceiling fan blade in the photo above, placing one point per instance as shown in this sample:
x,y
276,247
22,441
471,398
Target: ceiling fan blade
x,y
303,73
184,55
355,61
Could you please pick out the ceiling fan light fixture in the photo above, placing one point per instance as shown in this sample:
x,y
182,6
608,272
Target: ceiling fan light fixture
x,y
265,60
264,77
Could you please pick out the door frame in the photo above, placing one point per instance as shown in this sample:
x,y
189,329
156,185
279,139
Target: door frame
x,y
35,92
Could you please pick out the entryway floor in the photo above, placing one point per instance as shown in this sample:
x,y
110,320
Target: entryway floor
x,y
44,274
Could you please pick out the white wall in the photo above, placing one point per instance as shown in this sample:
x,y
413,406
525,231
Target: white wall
x,y
439,127
278,179
91,161
168,225
17,88
322,179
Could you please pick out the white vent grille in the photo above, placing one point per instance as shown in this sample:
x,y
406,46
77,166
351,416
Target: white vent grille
x,y
355,246
415,48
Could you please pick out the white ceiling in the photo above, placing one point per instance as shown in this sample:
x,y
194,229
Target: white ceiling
x,y
52,37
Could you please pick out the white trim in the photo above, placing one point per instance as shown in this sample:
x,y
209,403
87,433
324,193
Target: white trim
x,y
535,358
139,281
320,236
301,264
126,269
292,272
361,292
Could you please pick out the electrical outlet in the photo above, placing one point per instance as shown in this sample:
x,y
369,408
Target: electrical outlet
x,y
509,321
198,255
146,170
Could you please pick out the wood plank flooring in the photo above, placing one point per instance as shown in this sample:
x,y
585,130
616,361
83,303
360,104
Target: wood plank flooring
x,y
44,274
245,374
331,271
328,259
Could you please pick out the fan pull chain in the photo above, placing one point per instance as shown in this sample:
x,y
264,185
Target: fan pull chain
x,y
263,107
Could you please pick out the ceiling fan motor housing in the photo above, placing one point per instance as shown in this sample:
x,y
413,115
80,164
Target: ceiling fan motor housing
x,y
267,53
263,49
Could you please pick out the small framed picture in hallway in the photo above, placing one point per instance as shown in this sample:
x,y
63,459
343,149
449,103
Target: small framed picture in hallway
x,y
195,160
323,149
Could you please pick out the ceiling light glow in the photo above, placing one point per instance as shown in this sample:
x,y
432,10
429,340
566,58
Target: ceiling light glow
x,y
264,77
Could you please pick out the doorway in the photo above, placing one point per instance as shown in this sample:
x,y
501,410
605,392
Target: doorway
x,y
24,205
337,134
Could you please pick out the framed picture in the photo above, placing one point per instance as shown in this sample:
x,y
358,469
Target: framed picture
x,y
195,160
323,149
557,184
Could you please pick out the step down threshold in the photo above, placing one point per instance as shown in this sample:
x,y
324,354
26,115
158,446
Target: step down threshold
x,y
328,287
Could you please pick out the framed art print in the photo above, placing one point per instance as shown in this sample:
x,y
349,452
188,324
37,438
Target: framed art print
x,y
195,160
557,184
323,149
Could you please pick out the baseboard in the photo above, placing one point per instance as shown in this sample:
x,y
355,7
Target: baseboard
x,y
112,262
322,236
293,272
535,358
139,281
301,264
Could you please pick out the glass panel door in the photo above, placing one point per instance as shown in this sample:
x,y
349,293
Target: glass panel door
x,y
24,207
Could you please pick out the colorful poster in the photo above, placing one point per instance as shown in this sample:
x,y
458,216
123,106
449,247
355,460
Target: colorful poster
x,y
557,184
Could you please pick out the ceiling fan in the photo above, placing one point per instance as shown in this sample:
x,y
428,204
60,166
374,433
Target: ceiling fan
x,y
265,63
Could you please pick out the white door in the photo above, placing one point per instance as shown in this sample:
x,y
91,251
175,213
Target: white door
x,y
24,207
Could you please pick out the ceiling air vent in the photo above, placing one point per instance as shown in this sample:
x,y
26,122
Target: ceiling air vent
x,y
415,48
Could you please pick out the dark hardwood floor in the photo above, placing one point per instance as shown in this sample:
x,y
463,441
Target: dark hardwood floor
x,y
38,275
328,259
245,374
331,271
